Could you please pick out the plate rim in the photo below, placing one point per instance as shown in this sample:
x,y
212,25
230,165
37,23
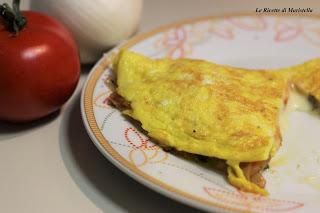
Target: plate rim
x,y
87,114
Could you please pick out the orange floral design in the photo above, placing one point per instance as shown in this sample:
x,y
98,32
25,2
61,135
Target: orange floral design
x,y
143,151
179,41
102,100
222,29
287,30
250,23
174,41
249,201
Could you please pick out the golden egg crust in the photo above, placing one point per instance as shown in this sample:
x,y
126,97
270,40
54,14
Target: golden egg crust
x,y
201,107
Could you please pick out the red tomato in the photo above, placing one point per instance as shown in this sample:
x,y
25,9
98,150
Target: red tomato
x,y
39,68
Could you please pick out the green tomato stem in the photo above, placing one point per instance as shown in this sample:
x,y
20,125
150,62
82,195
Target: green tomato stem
x,y
13,18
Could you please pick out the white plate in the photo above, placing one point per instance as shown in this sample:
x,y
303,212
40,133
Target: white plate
x,y
249,41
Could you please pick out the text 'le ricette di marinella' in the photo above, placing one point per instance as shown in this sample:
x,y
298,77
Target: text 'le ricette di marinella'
x,y
284,10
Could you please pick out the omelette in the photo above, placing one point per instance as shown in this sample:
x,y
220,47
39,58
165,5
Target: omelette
x,y
210,110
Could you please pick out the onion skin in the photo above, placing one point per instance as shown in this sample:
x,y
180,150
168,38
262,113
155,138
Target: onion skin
x,y
96,25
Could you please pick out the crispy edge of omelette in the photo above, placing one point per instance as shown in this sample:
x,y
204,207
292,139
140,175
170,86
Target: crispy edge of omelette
x,y
248,175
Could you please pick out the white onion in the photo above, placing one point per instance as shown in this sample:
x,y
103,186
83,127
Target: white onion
x,y
96,25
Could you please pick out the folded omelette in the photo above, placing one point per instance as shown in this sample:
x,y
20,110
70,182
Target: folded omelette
x,y
216,111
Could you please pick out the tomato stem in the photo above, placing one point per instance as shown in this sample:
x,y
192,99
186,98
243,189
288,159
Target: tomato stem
x,y
13,18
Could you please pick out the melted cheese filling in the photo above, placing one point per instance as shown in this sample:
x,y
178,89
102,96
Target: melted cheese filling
x,y
296,102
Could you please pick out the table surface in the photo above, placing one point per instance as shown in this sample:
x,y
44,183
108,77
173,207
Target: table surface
x,y
52,166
